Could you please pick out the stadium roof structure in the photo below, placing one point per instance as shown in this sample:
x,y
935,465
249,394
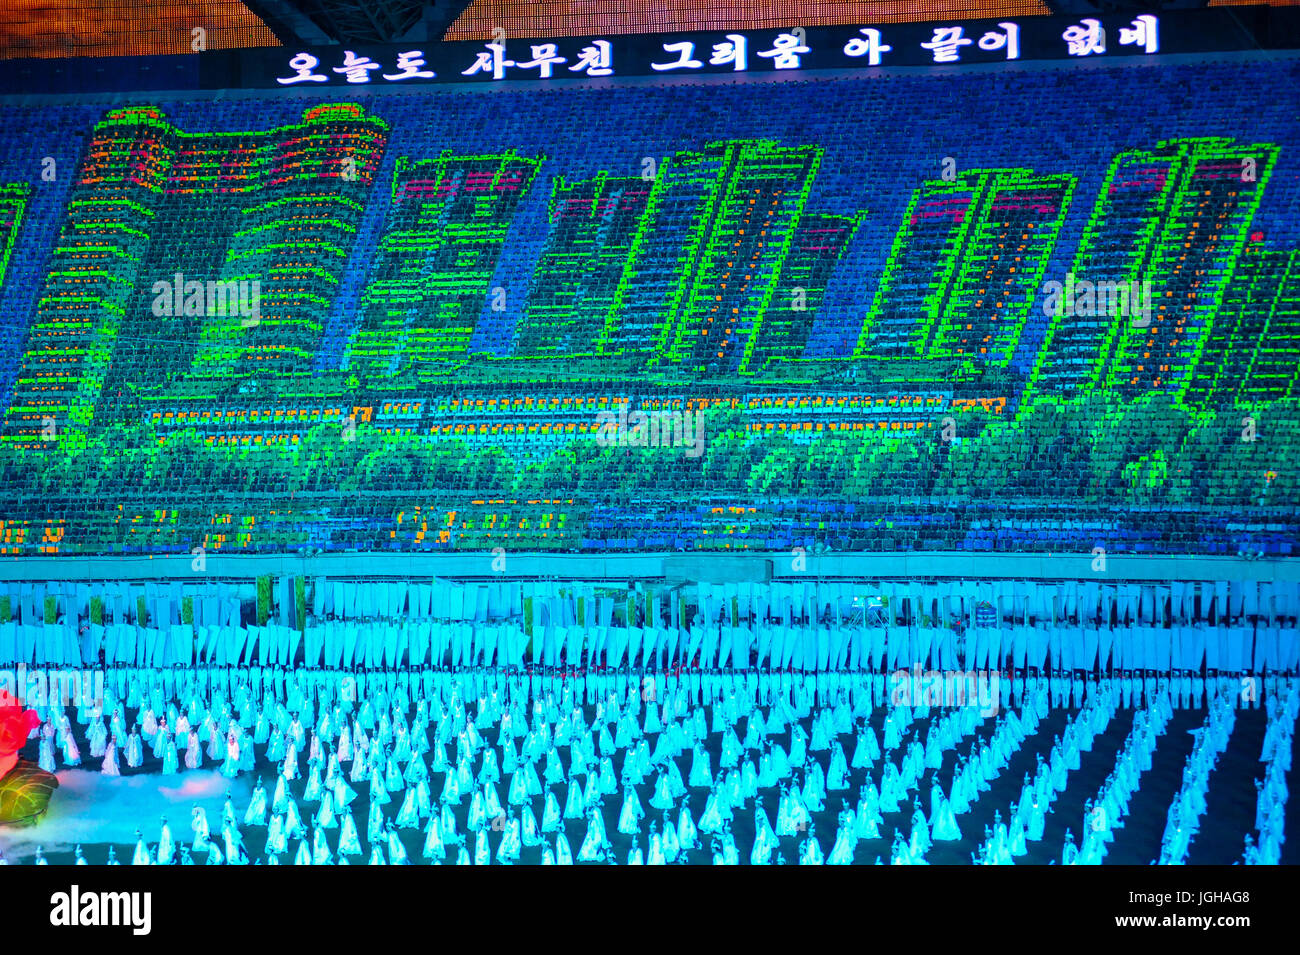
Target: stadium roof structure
x,y
72,28
537,18
395,20
68,28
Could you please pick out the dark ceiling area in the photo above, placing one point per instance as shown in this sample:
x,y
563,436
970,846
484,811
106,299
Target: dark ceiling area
x,y
315,22
345,21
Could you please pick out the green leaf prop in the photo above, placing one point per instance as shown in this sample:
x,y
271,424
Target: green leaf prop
x,y
25,793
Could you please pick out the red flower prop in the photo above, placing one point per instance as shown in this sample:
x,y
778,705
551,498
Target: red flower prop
x,y
16,724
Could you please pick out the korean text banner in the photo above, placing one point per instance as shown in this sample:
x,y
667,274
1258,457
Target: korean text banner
x,y
1106,37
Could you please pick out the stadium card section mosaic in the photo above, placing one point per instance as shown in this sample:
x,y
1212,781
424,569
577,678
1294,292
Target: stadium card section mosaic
x,y
719,318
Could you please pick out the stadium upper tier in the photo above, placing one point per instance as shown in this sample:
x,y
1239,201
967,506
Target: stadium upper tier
x,y
1019,311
